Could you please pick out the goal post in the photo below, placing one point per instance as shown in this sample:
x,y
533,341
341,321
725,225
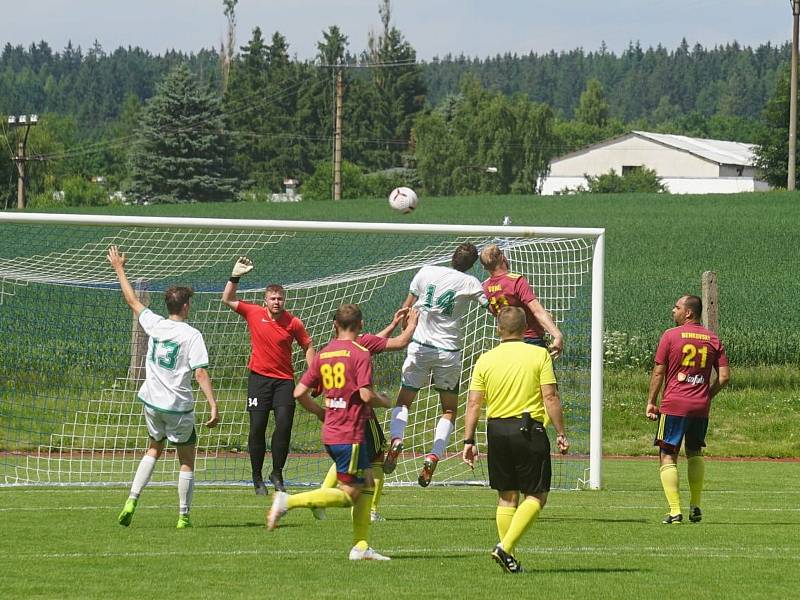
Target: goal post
x,y
70,359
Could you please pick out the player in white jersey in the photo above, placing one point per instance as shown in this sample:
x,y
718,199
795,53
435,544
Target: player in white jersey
x,y
442,295
174,350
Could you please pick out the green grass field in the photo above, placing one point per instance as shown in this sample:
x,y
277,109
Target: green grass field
x,y
65,543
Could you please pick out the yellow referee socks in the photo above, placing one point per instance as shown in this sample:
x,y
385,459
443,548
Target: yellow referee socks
x,y
523,518
696,467
321,498
361,510
669,481
503,517
330,479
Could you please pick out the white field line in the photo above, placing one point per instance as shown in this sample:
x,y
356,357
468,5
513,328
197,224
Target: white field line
x,y
733,552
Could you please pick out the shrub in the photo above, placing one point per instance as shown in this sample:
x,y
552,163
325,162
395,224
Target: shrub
x,y
637,180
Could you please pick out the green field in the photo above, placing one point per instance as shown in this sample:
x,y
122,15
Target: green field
x,y
657,247
65,543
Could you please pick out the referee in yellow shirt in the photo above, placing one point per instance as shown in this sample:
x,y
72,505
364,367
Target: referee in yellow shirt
x,y
517,383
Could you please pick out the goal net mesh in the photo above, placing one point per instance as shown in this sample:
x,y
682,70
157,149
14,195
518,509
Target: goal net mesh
x,y
72,356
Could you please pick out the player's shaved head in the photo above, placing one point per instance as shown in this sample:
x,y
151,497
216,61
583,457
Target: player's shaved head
x,y
694,304
348,316
464,257
492,257
511,322
176,297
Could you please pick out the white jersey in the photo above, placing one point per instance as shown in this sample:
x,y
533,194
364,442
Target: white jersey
x,y
443,298
174,350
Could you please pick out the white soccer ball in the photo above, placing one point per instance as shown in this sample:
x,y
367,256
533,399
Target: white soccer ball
x,y
403,199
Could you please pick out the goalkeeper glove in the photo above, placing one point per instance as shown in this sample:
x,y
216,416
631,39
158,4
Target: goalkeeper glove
x,y
242,266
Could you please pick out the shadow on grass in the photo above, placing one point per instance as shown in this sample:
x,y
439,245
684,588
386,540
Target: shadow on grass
x,y
587,570
471,519
597,520
427,556
248,524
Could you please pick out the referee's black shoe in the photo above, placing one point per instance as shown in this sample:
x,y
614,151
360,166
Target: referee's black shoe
x,y
506,561
261,489
276,479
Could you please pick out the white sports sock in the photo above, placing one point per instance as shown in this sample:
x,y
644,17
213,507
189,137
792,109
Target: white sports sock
x,y
442,436
185,489
397,428
143,474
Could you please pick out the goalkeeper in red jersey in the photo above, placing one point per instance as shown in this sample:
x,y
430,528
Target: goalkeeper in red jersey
x,y
685,359
344,367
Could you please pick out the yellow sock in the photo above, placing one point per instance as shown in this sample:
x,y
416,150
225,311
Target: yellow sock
x,y
330,479
377,471
523,518
669,481
502,517
321,498
361,510
697,472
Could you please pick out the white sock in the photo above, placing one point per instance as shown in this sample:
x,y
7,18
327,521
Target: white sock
x,y
185,489
397,428
143,474
442,436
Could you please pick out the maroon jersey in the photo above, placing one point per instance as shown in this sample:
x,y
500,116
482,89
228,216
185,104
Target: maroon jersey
x,y
343,367
689,353
512,289
271,340
373,343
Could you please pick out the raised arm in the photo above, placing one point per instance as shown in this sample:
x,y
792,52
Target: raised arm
x,y
204,381
398,318
546,321
118,260
404,339
243,266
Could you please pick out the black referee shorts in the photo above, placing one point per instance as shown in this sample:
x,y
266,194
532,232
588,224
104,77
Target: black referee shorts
x,y
266,393
518,461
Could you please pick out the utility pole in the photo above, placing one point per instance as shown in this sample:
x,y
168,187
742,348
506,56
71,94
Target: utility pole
x,y
791,179
20,159
337,135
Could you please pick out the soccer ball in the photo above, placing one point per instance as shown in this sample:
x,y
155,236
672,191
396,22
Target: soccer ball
x,y
403,199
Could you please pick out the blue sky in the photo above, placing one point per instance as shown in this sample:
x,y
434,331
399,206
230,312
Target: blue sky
x,y
434,27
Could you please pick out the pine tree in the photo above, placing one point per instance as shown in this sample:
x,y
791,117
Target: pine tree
x,y
399,92
181,147
772,149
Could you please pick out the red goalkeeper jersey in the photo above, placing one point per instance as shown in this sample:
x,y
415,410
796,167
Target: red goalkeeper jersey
x,y
271,340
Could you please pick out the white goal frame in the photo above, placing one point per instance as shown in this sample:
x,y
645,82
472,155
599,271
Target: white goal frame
x,y
597,269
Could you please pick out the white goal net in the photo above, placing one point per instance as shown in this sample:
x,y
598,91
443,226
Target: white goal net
x,y
72,356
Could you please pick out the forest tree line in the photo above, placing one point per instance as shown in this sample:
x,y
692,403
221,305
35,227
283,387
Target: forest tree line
x,y
127,115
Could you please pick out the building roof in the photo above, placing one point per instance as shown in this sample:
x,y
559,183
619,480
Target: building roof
x,y
716,151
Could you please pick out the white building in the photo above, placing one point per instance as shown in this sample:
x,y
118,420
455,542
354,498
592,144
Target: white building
x,y
685,165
